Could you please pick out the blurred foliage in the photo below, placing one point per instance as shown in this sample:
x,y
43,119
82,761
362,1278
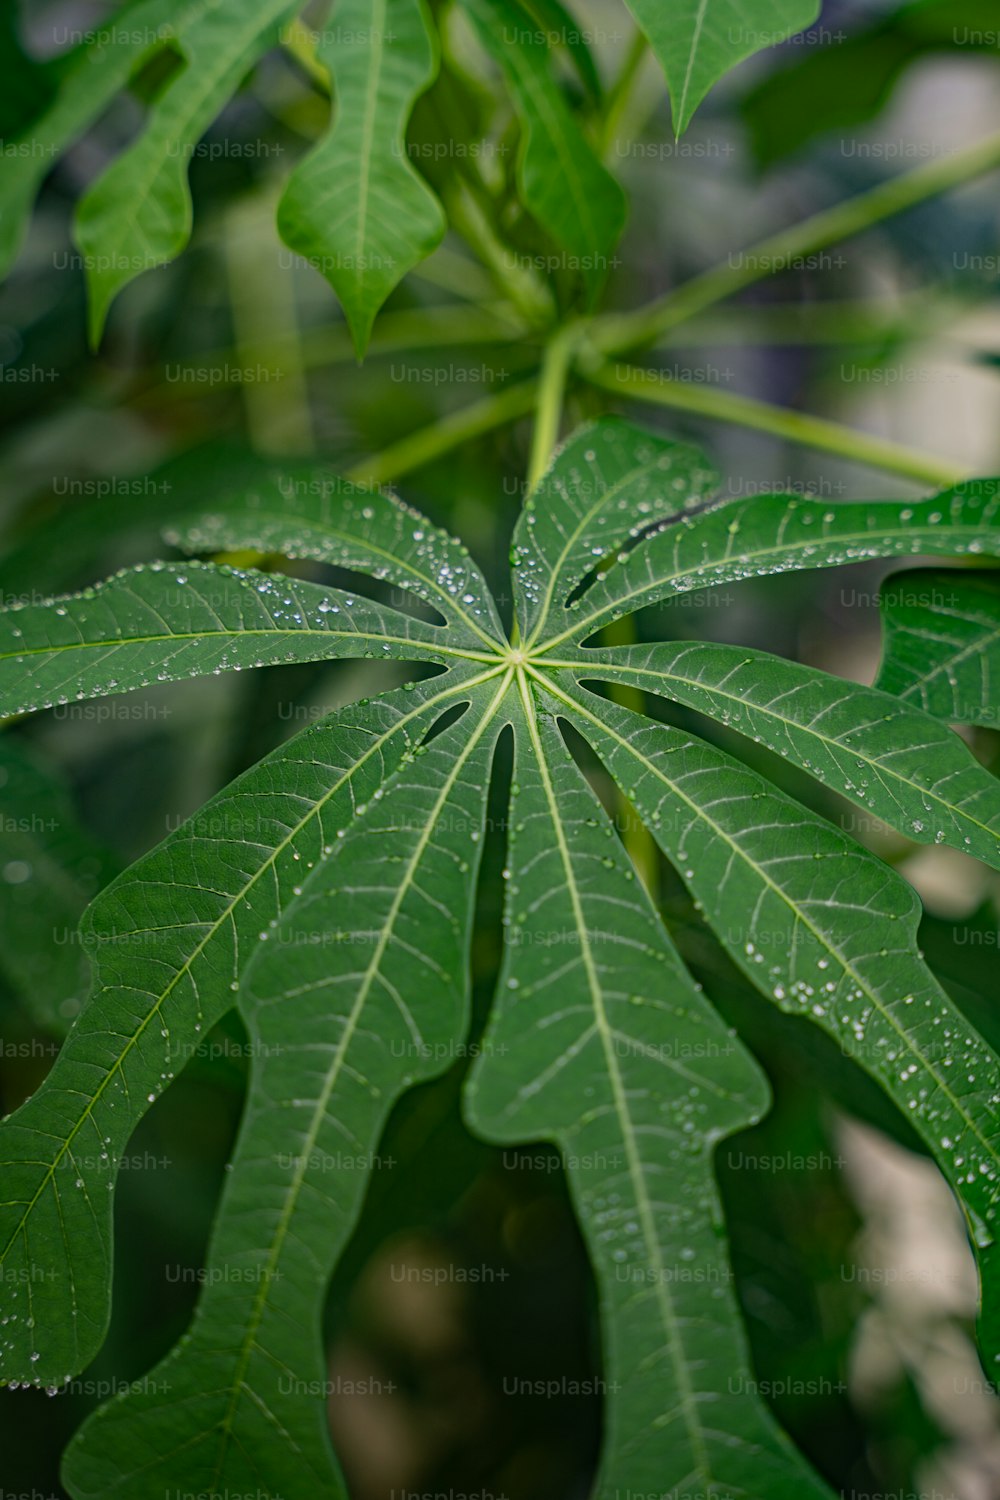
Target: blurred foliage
x,y
98,447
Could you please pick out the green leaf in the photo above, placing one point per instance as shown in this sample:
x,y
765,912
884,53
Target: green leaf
x,y
565,34
601,1042
361,990
138,213
610,482
561,179
942,644
893,760
171,621
356,207
50,868
309,513
697,41
26,86
826,930
781,534
330,892
92,75
169,942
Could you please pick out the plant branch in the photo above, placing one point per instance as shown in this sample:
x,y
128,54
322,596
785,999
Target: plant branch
x,y
616,333
637,384
551,391
619,96
432,442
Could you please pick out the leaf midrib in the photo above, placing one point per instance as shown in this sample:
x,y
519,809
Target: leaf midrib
x,y
606,1032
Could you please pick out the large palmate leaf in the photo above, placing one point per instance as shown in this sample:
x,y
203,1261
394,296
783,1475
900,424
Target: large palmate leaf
x,y
942,644
562,180
697,41
329,894
355,206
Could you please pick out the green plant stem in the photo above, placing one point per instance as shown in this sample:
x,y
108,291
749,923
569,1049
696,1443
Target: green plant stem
x,y
619,96
616,333
551,391
395,333
512,276
810,432
831,323
277,410
432,442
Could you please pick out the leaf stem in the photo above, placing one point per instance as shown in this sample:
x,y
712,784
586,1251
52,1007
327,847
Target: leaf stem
x,y
440,437
616,333
619,96
633,383
551,390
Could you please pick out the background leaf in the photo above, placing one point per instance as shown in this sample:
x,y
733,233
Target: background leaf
x,y
91,77
697,41
942,643
138,213
562,181
356,207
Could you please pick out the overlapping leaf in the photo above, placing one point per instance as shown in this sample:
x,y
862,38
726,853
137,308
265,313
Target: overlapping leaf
x,y
562,181
942,644
348,954
355,207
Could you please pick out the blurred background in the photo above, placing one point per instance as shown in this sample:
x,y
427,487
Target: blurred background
x,y
465,1298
